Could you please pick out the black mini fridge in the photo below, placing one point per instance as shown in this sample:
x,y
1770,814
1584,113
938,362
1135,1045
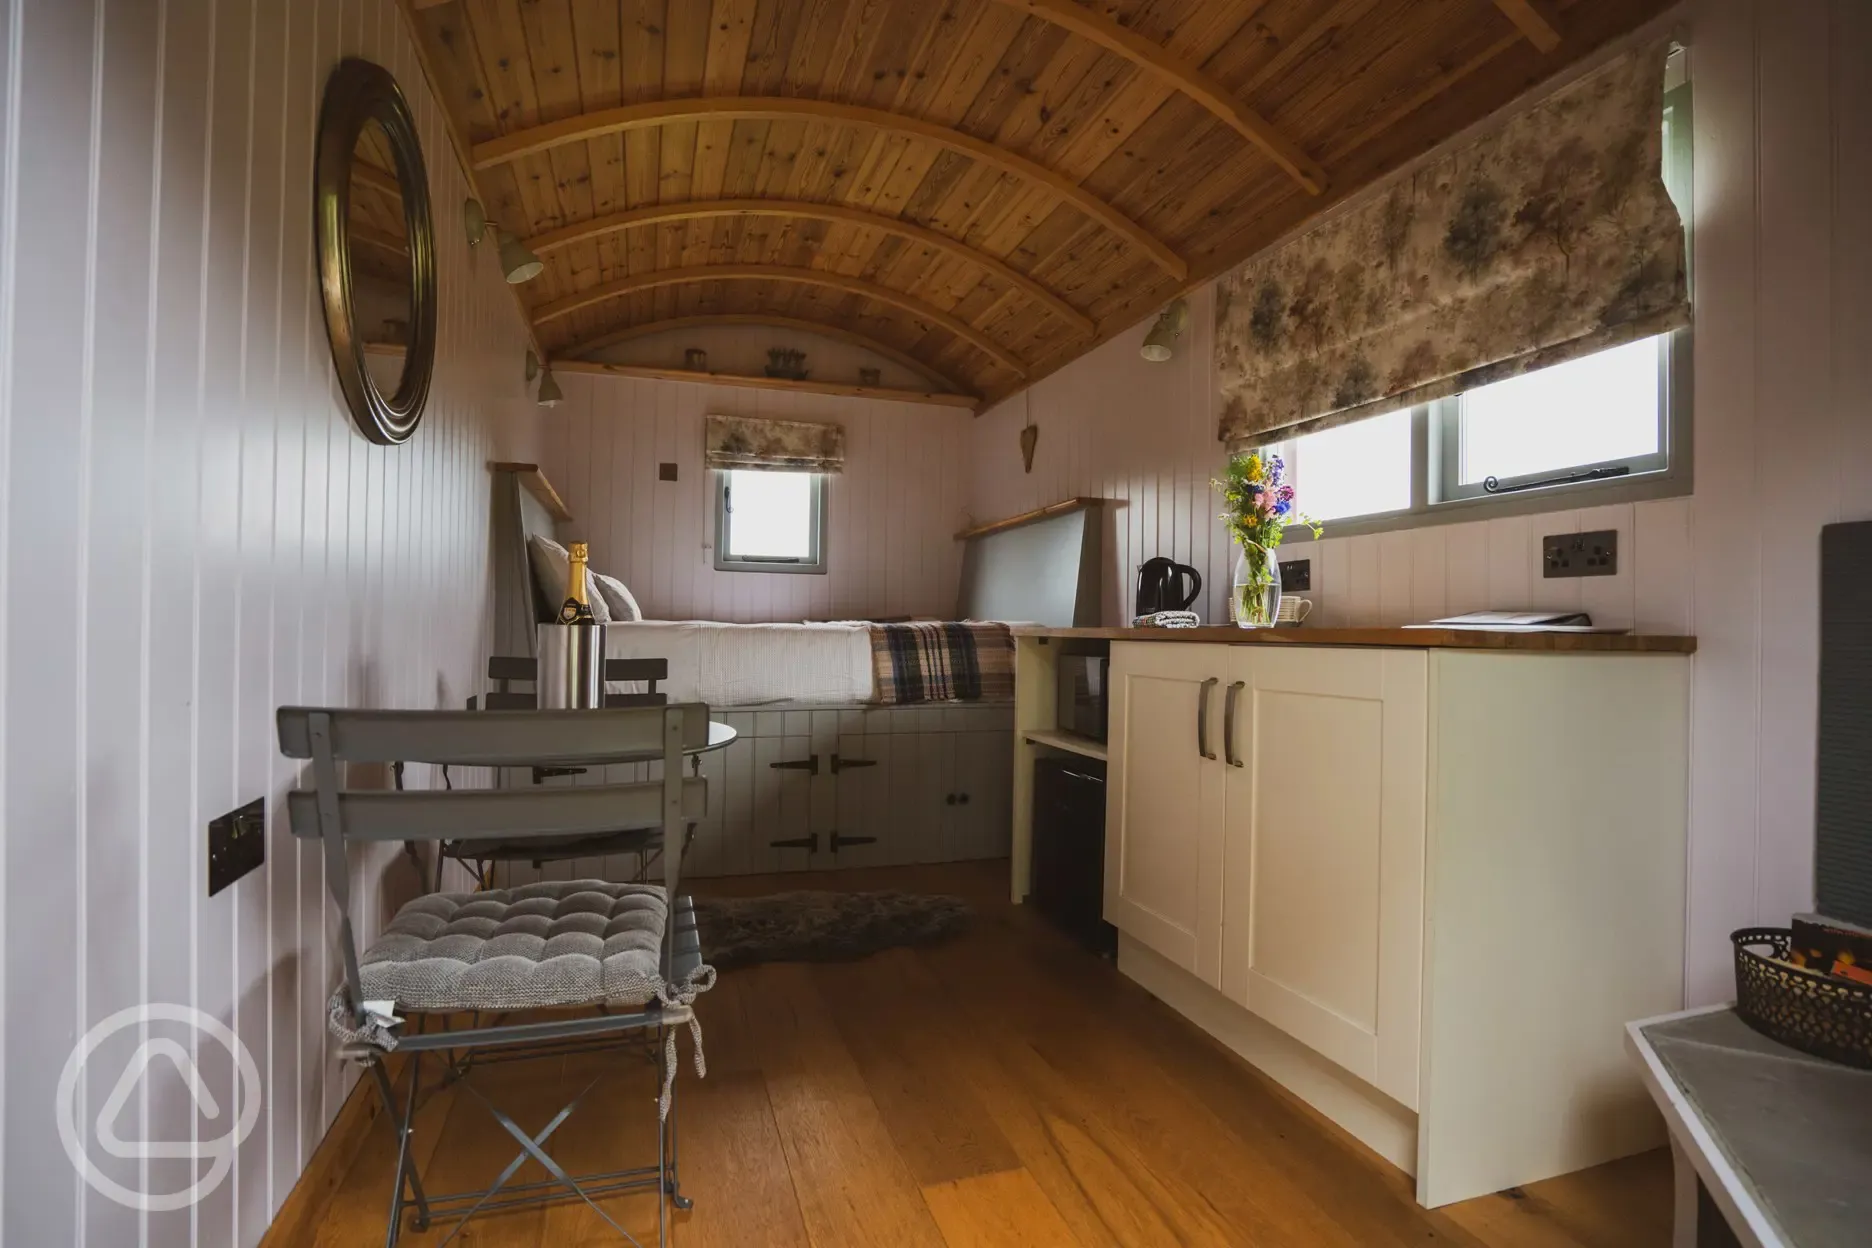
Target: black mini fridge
x,y
1069,849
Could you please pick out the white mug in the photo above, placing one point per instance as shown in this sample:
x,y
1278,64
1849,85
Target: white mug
x,y
1293,610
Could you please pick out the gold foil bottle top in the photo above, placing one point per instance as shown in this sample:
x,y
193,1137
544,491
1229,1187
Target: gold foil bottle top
x,y
577,551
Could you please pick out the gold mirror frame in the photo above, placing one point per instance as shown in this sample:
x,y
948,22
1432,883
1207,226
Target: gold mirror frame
x,y
358,93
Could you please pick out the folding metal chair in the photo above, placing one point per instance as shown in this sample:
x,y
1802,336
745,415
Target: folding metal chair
x,y
479,856
629,951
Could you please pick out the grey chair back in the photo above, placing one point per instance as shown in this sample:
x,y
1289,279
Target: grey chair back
x,y
332,814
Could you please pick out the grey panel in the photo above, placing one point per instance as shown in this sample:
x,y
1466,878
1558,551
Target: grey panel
x,y
1843,798
1046,572
514,609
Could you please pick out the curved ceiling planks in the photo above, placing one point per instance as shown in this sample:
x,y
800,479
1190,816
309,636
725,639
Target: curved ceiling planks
x,y
776,320
666,214
658,113
1213,95
1207,120
779,273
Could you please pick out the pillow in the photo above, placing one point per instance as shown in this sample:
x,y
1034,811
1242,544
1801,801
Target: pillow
x,y
618,597
551,565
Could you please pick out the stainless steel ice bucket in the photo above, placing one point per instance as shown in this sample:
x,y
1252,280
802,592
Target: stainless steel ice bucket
x,y
571,666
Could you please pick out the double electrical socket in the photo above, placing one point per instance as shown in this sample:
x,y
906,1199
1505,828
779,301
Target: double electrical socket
x,y
1580,554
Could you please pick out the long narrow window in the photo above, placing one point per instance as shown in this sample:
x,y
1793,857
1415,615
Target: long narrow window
x,y
1610,423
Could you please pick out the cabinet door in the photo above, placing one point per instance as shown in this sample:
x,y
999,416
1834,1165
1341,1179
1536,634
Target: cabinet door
x,y
984,781
1323,857
863,836
1163,815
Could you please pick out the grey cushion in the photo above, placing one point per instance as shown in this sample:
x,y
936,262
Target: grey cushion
x,y
618,598
560,943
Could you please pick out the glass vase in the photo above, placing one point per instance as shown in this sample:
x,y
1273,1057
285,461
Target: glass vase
x,y
1255,599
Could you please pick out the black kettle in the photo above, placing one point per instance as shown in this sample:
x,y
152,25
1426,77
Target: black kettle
x,y
1166,585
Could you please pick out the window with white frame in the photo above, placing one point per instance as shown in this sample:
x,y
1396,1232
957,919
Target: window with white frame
x,y
1599,422
769,521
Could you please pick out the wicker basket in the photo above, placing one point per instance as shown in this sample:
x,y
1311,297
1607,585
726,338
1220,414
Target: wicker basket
x,y
1807,1010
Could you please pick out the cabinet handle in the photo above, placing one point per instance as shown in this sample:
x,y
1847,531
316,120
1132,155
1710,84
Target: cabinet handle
x,y
1228,723
1202,718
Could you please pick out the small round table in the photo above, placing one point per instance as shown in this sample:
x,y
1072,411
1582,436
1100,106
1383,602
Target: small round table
x,y
720,737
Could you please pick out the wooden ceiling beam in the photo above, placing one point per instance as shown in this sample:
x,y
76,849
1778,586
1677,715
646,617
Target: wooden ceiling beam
x,y
1188,78
774,320
1535,19
649,373
842,214
781,273
654,113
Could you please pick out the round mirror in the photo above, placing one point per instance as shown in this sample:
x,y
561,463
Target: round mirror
x,y
376,251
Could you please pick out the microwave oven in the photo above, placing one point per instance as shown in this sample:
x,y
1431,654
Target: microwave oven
x,y
1084,699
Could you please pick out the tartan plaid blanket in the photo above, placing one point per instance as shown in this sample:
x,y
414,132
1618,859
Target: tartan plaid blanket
x,y
942,662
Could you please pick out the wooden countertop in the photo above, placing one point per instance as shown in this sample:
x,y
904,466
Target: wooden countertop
x,y
1401,638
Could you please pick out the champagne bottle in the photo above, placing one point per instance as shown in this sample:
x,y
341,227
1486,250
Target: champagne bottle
x,y
576,609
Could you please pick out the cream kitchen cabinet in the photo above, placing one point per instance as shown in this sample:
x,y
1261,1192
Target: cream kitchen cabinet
x,y
1323,851
1264,832
1164,804
1423,887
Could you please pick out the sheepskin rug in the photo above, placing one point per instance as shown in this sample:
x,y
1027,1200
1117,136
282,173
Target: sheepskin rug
x,y
820,926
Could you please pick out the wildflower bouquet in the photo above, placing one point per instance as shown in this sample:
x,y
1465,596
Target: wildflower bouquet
x,y
1260,506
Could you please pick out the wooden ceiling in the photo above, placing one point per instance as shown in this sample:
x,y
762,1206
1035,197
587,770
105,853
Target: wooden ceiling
x,y
989,187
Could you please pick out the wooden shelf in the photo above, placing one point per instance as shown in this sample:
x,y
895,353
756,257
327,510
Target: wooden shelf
x,y
1071,742
1028,517
538,486
935,398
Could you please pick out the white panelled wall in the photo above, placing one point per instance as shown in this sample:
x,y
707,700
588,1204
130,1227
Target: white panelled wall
x,y
1783,445
891,516
192,535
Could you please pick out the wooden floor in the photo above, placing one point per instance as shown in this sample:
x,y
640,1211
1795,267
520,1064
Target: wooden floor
x,y
1002,1089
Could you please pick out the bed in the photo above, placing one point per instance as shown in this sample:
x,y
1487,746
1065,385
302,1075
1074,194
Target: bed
x,y
833,767
1039,569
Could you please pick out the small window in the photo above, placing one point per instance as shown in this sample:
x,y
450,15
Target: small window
x,y
769,521
1355,470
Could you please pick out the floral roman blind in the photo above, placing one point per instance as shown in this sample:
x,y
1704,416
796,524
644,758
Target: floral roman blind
x,y
1550,238
773,445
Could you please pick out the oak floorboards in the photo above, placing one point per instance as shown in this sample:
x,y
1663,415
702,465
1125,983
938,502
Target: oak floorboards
x,y
1004,1088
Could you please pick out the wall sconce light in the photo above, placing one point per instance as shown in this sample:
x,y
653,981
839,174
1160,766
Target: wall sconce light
x,y
549,391
516,261
1170,325
532,366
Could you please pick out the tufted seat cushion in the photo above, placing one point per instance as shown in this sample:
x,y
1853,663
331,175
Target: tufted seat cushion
x,y
561,942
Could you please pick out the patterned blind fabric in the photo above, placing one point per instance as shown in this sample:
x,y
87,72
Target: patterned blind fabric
x,y
1549,238
773,445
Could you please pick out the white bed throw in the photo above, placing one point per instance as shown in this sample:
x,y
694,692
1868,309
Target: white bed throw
x,y
751,664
